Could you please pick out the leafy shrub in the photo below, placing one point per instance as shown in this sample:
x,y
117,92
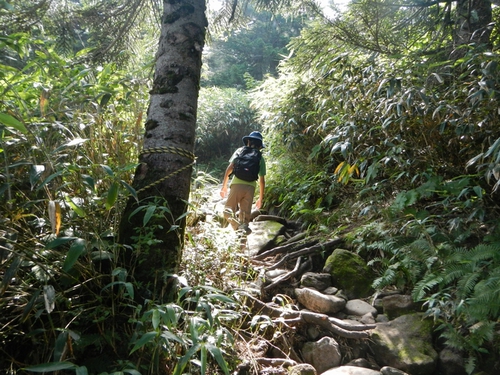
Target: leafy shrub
x,y
224,117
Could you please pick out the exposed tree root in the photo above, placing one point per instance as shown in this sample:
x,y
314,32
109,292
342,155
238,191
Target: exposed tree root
x,y
327,246
293,318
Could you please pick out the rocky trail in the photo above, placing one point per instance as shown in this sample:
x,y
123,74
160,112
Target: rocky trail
x,y
327,318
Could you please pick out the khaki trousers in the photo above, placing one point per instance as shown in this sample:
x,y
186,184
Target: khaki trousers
x,y
239,196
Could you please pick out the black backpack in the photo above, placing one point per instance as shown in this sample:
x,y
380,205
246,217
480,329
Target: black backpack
x,y
247,164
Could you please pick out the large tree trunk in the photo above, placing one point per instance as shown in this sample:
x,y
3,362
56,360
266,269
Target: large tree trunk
x,y
168,145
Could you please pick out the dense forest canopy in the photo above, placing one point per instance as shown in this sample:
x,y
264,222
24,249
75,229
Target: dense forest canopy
x,y
381,123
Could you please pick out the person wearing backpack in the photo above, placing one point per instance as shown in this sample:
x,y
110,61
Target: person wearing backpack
x,y
247,167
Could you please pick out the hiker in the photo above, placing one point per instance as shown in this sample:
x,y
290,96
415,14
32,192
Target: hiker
x,y
247,165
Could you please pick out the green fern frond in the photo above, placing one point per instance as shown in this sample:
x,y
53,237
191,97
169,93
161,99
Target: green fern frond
x,y
467,284
485,301
424,286
454,339
387,279
422,245
387,246
457,254
484,252
384,262
480,333
453,272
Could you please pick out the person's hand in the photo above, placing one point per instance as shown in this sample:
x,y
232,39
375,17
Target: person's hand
x,y
223,192
258,204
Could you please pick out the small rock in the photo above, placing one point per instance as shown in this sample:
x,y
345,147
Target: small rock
x,y
319,302
397,305
350,370
302,369
381,318
451,362
368,319
322,354
359,308
362,362
387,370
331,290
313,332
318,281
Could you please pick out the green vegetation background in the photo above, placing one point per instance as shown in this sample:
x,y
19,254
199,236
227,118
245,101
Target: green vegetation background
x,y
392,141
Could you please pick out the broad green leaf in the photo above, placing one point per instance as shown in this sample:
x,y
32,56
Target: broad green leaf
x,y
169,336
494,147
77,209
478,190
59,241
146,338
120,272
5,5
185,359
130,189
130,289
438,77
171,314
127,285
82,370
76,249
89,181
149,213
108,170
131,372
60,345
83,52
29,306
203,359
12,122
112,195
50,178
40,54
140,208
474,160
76,142
220,297
35,173
51,366
155,319
217,354
10,273
105,99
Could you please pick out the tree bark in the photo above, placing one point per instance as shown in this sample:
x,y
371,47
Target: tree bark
x,y
163,176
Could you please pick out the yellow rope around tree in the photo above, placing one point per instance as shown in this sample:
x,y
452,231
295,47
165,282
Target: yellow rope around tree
x,y
169,150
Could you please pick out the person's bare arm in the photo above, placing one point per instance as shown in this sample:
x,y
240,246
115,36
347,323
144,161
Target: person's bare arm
x,y
262,187
229,170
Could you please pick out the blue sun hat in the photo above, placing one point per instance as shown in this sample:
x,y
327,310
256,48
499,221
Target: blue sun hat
x,y
254,135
